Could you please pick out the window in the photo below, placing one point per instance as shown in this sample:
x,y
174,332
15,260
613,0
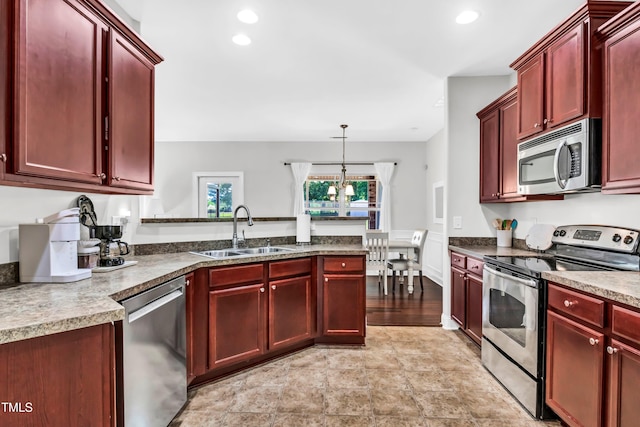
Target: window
x,y
363,203
218,193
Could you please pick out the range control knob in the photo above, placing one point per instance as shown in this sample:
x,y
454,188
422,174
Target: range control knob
x,y
556,233
628,240
563,233
617,237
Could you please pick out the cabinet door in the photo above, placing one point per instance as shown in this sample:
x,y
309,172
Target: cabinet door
x,y
565,82
474,307
131,80
574,371
490,157
621,126
623,400
6,23
343,312
237,324
64,379
531,97
58,91
290,312
509,150
458,296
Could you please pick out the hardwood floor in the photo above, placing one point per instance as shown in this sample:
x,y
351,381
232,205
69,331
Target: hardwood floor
x,y
422,308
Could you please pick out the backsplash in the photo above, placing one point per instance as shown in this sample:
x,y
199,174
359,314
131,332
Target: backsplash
x,y
484,241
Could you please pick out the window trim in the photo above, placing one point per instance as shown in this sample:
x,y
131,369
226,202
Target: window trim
x,y
238,193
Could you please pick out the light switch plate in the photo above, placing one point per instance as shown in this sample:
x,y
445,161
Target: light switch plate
x,y
457,222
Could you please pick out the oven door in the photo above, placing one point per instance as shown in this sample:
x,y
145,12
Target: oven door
x,y
510,316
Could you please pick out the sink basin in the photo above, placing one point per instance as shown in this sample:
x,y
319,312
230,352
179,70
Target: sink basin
x,y
263,250
228,253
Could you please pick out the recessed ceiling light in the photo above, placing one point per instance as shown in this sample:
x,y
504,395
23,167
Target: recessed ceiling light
x,y
467,17
241,39
247,16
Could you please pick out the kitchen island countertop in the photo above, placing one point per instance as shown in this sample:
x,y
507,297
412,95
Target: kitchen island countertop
x,y
29,310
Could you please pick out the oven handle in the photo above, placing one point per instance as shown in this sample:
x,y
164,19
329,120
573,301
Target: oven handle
x,y
527,282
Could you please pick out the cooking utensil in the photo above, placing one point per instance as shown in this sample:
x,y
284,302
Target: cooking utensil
x,y
508,224
504,224
514,224
497,224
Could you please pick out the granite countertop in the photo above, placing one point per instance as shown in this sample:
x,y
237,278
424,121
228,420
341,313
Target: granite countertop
x,y
619,286
29,310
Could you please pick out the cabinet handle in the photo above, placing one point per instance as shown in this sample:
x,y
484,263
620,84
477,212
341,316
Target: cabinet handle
x,y
536,125
545,121
326,279
593,341
3,157
344,265
116,178
475,267
188,282
497,194
611,350
102,176
460,275
568,303
261,289
273,287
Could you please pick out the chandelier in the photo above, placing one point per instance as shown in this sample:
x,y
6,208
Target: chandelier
x,y
343,184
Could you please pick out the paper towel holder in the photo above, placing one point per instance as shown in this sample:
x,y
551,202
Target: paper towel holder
x,y
303,229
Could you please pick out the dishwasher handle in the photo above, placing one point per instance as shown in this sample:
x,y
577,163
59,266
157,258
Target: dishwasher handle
x,y
154,305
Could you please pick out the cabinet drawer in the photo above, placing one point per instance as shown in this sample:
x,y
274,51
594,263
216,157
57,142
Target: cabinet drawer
x,y
236,275
344,264
475,266
586,308
293,267
458,260
626,324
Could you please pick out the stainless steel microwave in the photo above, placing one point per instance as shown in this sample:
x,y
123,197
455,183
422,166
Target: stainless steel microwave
x,y
565,160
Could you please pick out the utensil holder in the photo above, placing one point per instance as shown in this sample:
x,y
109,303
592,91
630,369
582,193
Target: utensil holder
x,y
504,238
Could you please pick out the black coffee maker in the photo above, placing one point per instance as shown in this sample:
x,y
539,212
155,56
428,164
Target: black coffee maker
x,y
111,248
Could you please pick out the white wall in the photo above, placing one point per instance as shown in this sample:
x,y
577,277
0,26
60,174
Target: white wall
x,y
436,172
269,184
465,96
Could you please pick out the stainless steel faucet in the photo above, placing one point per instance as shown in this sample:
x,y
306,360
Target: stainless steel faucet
x,y
234,239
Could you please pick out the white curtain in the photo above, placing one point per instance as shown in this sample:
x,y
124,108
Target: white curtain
x,y
385,172
300,173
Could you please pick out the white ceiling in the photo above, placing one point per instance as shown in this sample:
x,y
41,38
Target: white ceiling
x,y
377,65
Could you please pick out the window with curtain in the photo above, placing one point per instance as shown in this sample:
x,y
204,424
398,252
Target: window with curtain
x,y
364,203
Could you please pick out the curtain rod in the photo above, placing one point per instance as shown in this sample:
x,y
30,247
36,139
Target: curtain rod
x,y
340,163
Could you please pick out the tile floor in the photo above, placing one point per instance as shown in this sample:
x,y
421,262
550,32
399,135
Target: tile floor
x,y
404,376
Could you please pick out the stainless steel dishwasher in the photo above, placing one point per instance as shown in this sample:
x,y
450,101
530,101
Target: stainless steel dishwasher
x,y
154,372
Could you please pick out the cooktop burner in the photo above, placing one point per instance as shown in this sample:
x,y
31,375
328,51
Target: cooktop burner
x,y
535,265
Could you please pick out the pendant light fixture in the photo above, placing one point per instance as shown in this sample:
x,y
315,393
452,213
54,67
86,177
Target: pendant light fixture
x,y
343,184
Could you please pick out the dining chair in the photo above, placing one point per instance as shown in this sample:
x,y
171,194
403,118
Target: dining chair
x,y
402,264
378,247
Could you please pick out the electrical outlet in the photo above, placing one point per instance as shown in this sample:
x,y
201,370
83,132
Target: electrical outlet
x,y
457,222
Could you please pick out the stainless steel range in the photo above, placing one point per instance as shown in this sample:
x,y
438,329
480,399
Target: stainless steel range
x,y
515,298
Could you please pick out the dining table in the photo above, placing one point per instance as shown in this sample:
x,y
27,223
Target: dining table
x,y
406,249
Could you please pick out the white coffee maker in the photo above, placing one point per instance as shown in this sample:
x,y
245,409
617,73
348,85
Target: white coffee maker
x,y
48,249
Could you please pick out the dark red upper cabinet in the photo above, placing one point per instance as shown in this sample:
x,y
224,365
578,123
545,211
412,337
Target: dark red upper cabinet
x,y
76,98
560,77
130,133
58,91
620,124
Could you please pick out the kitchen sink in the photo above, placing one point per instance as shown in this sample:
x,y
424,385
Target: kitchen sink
x,y
228,253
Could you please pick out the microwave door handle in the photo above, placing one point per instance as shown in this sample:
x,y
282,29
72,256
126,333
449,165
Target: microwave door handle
x,y
556,165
